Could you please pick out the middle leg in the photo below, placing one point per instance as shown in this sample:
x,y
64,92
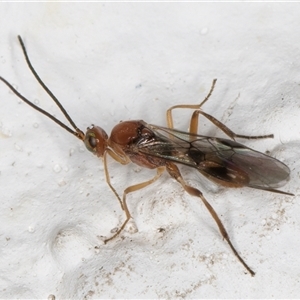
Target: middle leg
x,y
131,189
193,129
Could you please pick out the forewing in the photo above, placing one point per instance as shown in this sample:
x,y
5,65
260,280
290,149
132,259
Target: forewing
x,y
225,155
264,171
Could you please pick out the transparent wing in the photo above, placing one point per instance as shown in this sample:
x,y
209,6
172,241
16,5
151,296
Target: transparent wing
x,y
224,161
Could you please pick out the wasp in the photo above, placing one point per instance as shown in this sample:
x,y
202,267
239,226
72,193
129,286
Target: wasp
x,y
223,161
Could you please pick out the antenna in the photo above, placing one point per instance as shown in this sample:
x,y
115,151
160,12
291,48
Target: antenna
x,y
78,133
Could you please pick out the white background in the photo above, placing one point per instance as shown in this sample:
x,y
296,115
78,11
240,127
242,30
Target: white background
x,y
108,62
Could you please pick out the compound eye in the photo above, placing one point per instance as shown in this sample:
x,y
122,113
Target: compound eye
x,y
92,141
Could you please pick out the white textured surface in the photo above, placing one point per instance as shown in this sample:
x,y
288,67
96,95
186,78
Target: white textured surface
x,y
111,62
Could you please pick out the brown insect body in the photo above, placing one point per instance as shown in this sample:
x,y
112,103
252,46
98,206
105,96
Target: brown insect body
x,y
223,161
130,136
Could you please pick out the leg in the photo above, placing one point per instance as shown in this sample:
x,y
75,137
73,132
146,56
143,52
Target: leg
x,y
175,173
190,106
131,189
119,159
195,119
223,127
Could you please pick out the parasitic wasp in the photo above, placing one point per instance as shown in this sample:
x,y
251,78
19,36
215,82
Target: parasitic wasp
x,y
223,161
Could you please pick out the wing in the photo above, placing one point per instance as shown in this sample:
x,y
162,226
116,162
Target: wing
x,y
224,161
